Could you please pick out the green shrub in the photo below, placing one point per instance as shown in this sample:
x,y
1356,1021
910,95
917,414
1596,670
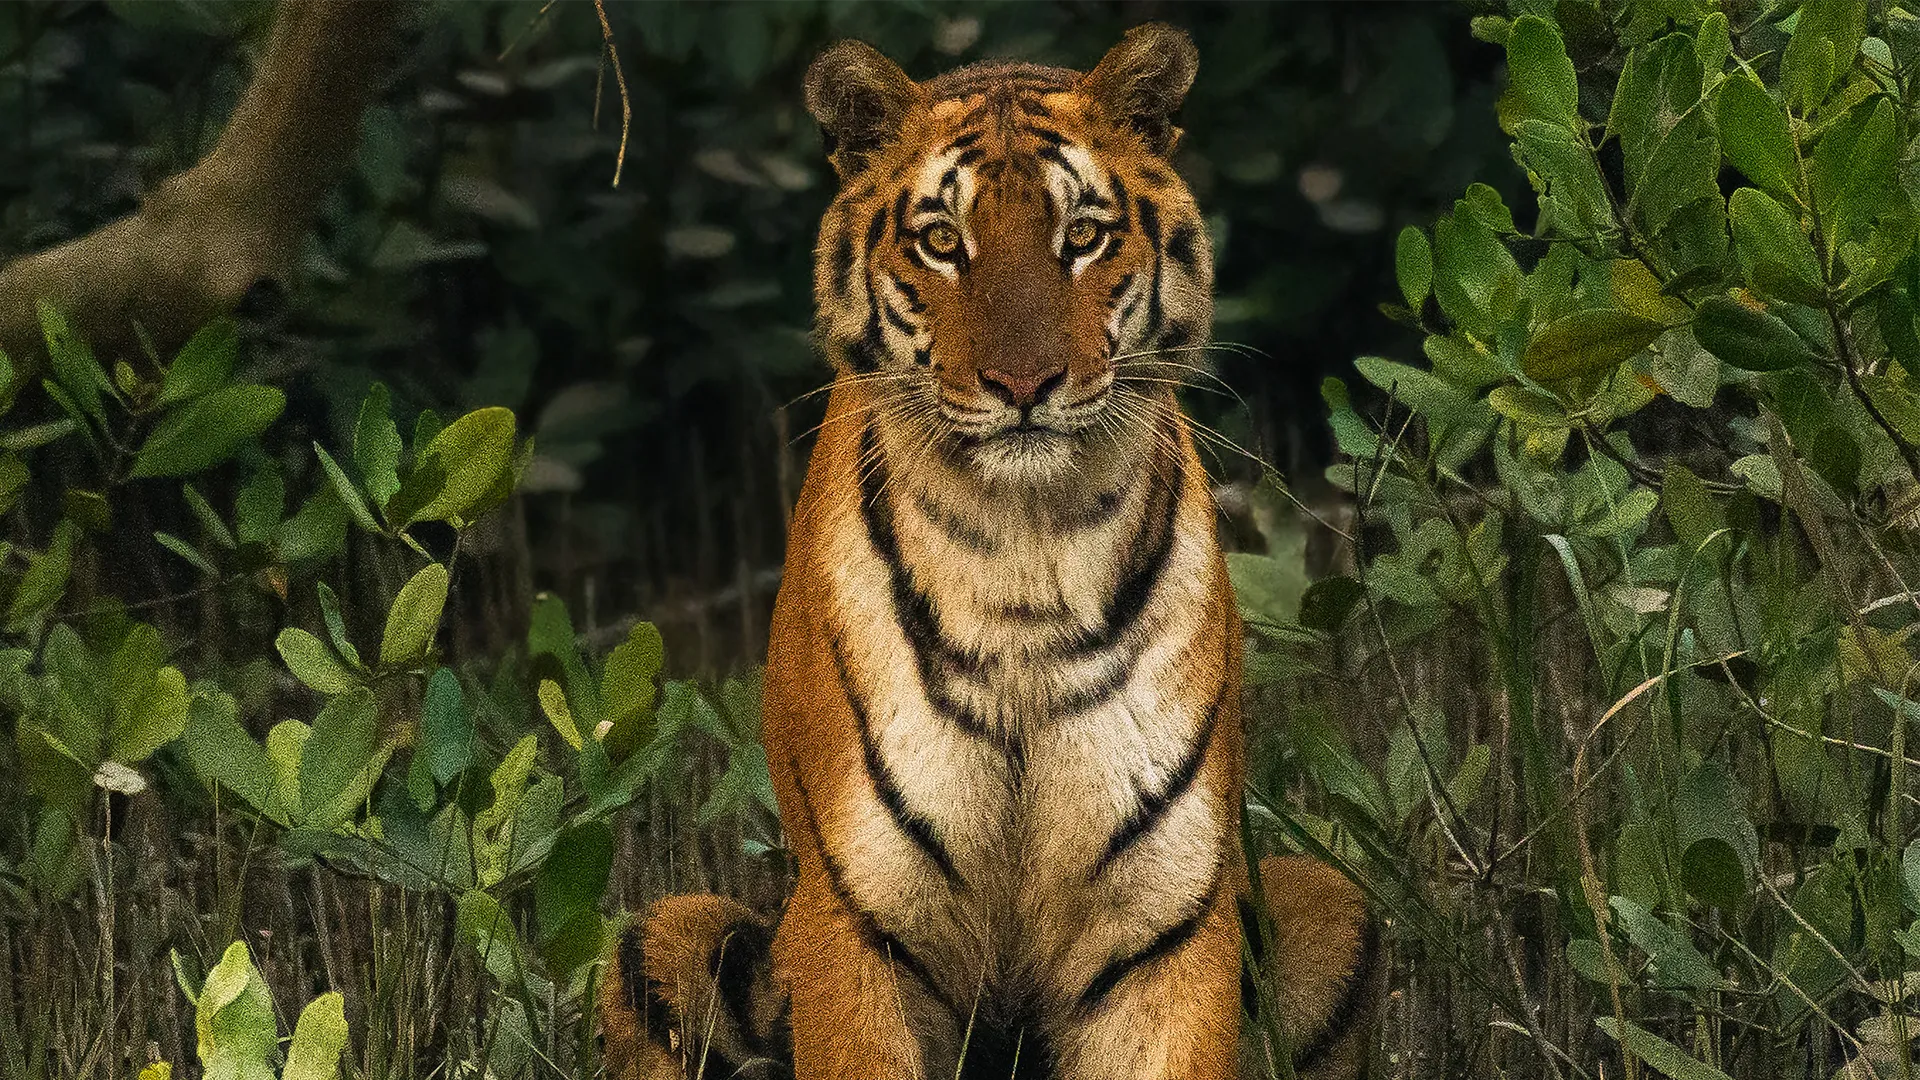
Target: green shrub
x,y
431,781
1631,553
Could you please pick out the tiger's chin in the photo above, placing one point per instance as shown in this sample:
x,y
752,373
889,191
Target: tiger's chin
x,y
1026,457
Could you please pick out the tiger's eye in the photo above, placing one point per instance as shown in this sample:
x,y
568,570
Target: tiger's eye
x,y
941,239
1082,235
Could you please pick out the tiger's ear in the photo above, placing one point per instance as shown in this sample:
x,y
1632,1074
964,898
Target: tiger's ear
x,y
1141,82
861,99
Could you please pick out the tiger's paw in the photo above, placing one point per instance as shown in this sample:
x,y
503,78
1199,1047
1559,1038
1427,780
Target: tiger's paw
x,y
1323,971
689,993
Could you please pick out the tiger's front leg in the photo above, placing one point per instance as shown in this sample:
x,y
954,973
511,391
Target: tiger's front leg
x,y
1173,1012
853,1002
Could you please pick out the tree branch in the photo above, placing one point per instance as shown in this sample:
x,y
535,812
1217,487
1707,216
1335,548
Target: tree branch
x,y
203,237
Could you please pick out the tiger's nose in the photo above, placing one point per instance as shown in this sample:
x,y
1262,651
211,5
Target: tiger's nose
x,y
1022,388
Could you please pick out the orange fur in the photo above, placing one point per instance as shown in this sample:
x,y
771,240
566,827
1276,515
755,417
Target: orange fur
x,y
1002,697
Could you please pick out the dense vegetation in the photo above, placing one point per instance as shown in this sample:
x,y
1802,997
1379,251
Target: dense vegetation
x,y
1579,634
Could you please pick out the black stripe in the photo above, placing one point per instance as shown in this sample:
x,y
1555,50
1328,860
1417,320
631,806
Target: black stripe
x,y
1099,512
929,205
898,320
1255,969
647,997
1155,539
1119,198
961,142
900,204
1180,245
863,358
1351,1004
957,529
885,787
739,963
1053,154
842,263
912,294
968,157
866,924
1048,134
1120,288
876,229
1150,225
1164,944
936,658
1153,805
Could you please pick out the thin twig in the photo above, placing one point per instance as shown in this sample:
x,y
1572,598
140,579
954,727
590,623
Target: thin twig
x,y
620,77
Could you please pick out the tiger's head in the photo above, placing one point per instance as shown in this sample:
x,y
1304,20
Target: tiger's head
x,y
1010,258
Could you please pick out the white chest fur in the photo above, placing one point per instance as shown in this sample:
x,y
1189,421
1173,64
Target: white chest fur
x,y
1031,692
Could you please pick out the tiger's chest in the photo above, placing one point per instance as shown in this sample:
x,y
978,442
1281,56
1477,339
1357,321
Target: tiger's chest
x,y
1033,705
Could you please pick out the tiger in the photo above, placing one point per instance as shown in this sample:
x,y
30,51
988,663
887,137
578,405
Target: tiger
x,y
1001,703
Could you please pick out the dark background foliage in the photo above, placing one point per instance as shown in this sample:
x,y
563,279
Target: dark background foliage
x,y
654,336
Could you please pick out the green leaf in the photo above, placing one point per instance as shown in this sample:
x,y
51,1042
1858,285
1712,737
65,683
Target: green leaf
x,y
209,519
1712,43
318,530
1747,339
1853,172
343,487
470,454
1543,83
336,626
202,364
207,430
1676,962
573,877
311,662
1756,139
156,720
414,617
445,744
1573,194
1327,603
32,438
1690,510
1720,851
188,552
1658,1052
1413,266
376,446
1482,203
550,635
1825,42
319,1038
553,702
1475,278
222,752
1775,252
484,925
1670,150
45,580
1422,391
1524,406
627,688
1585,342
234,1020
72,362
334,759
